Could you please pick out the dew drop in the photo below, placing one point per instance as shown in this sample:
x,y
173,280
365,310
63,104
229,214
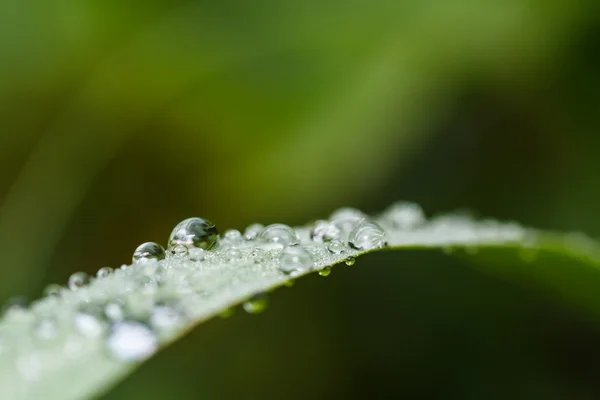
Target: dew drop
x,y
336,247
194,232
165,318
350,261
252,231
346,218
405,215
53,290
88,325
233,236
196,254
148,251
226,313
280,234
324,231
132,341
289,283
367,235
77,280
256,304
295,259
114,311
325,271
45,328
180,250
104,272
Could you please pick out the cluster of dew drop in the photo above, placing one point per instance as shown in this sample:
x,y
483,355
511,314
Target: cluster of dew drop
x,y
129,311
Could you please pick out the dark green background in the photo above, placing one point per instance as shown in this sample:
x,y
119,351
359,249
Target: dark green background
x,y
118,119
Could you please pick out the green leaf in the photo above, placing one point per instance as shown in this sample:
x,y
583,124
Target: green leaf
x,y
81,342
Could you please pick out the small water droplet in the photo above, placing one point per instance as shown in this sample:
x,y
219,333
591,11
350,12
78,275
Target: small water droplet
x,y
367,235
289,283
77,280
180,250
325,271
165,318
132,341
350,261
295,259
324,231
280,234
226,313
148,251
252,231
405,215
336,247
104,272
346,218
53,290
233,254
88,325
196,254
194,232
46,328
114,311
256,304
233,236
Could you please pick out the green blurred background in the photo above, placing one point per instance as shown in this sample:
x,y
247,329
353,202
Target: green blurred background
x,y
119,119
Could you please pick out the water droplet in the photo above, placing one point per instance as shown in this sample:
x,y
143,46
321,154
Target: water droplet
x,y
289,283
280,234
325,271
227,313
165,318
259,256
148,251
104,272
256,304
350,261
132,341
53,290
345,219
252,231
233,236
295,259
88,325
194,232
324,231
46,328
179,250
77,280
233,254
114,311
196,254
336,247
405,215
367,235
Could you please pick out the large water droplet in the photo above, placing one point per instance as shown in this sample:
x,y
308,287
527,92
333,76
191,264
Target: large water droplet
x,y
405,215
367,235
256,304
324,231
280,234
132,341
295,259
77,280
194,232
232,236
148,251
346,219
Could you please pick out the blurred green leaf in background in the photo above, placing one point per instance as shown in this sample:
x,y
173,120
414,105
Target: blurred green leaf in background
x,y
118,119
